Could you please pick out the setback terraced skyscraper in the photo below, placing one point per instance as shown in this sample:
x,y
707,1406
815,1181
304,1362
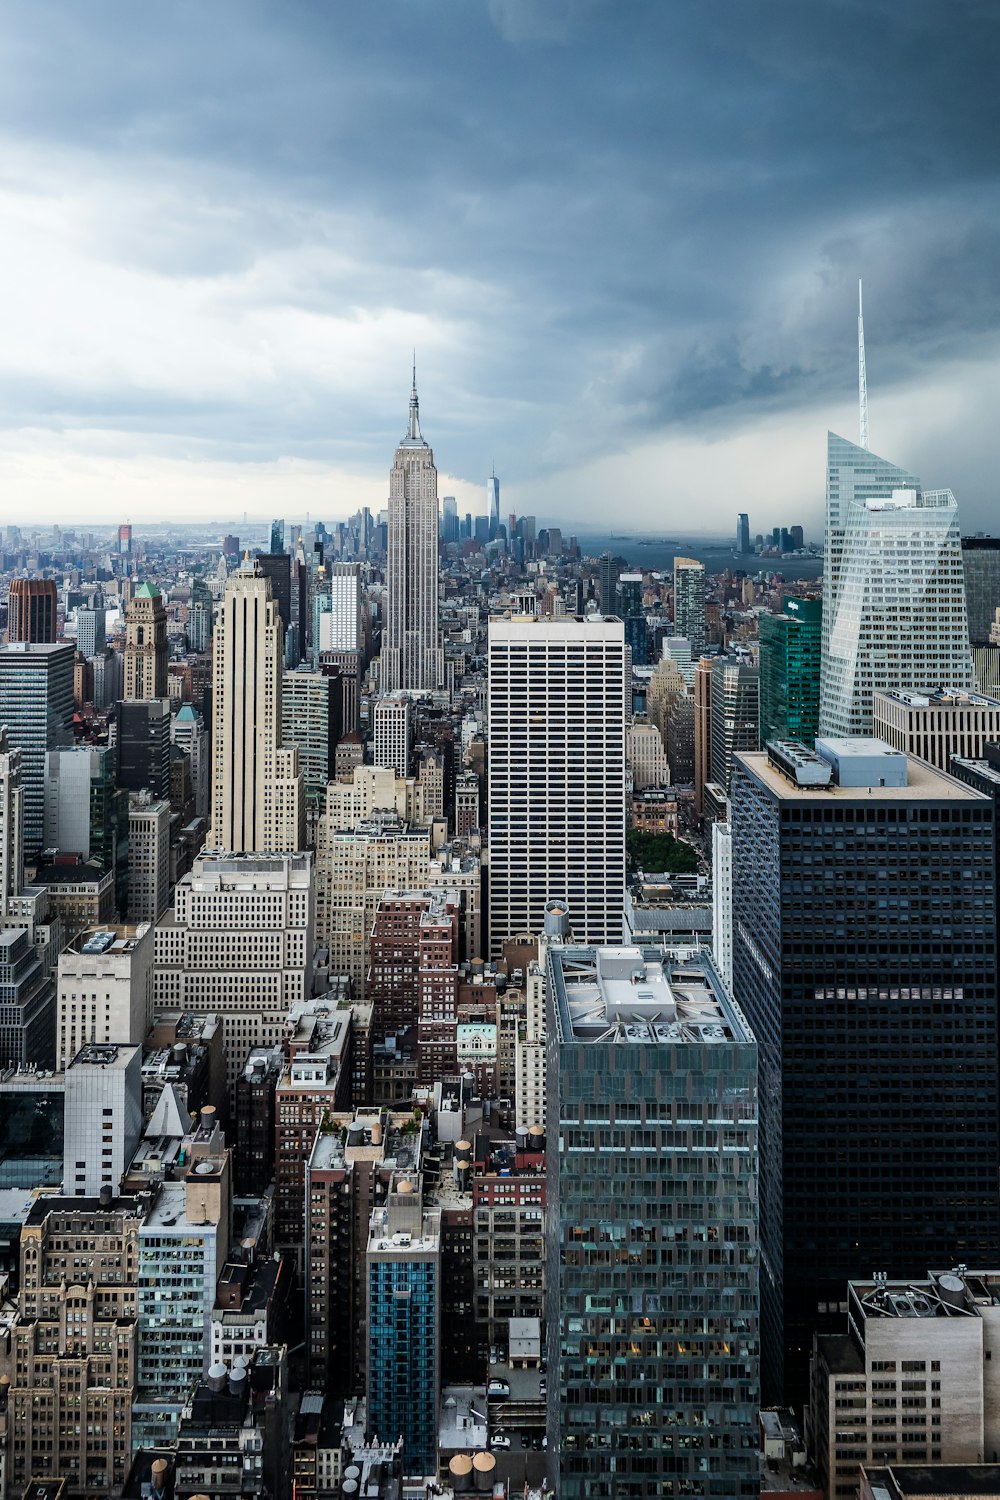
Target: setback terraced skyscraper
x,y
412,658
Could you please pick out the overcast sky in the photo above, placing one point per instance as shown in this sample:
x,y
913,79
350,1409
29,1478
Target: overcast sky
x,y
624,237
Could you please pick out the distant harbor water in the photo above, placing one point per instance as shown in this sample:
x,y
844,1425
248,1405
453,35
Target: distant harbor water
x,y
645,551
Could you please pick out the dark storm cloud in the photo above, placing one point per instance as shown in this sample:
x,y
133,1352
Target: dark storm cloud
x,y
612,221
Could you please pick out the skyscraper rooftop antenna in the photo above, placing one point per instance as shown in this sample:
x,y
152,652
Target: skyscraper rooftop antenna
x,y
862,380
414,427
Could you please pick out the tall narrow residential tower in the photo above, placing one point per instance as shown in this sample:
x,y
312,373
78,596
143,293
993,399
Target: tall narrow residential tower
x,y
689,602
257,799
11,822
412,658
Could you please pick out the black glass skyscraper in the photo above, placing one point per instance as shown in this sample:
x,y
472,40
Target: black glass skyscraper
x,y
864,958
981,566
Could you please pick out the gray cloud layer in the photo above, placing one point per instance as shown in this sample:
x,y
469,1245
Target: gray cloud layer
x,y
608,227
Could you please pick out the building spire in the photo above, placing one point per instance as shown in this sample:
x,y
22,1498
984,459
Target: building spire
x,y
414,427
862,380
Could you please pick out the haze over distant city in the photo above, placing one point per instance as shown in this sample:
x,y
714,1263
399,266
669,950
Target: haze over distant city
x,y
625,243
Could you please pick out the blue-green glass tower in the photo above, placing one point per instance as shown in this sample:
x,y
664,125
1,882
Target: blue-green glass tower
x,y
404,1322
791,648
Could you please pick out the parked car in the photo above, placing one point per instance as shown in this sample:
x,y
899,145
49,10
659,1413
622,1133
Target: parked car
x,y
542,1387
499,1440
498,1388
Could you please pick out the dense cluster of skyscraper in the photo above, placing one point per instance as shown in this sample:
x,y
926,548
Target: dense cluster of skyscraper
x,y
475,1015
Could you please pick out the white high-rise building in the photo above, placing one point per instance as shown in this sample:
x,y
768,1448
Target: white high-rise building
x,y
557,774
722,900
11,823
391,740
103,1091
412,658
257,796
338,618
898,618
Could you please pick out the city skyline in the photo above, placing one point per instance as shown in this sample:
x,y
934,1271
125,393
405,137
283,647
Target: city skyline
x,y
283,289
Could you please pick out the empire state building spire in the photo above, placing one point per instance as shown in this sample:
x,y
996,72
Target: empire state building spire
x,y
413,432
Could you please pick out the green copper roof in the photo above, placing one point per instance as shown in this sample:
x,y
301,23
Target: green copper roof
x,y
146,591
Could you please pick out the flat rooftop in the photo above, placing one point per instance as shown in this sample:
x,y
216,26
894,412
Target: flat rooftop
x,y
926,784
110,941
106,1055
404,1242
981,767
643,996
938,697
935,1481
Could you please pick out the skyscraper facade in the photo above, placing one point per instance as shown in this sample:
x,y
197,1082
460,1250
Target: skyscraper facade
x,y
32,609
864,958
36,704
899,614
743,534
493,506
607,585
653,1333
403,1265
412,658
146,644
735,714
90,631
11,823
689,602
790,651
143,741
311,721
981,565
337,624
257,801
557,773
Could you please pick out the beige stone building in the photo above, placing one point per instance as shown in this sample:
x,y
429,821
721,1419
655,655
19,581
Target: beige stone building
x,y
937,724
646,754
104,989
68,1345
148,857
912,1381
146,644
238,942
258,801
354,867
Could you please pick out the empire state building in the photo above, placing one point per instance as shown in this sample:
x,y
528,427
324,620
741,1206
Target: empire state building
x,y
412,659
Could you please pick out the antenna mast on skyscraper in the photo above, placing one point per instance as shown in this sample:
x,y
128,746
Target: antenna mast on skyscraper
x,y
862,381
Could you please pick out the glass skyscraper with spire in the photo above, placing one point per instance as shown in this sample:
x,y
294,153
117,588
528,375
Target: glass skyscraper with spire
x,y
893,588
